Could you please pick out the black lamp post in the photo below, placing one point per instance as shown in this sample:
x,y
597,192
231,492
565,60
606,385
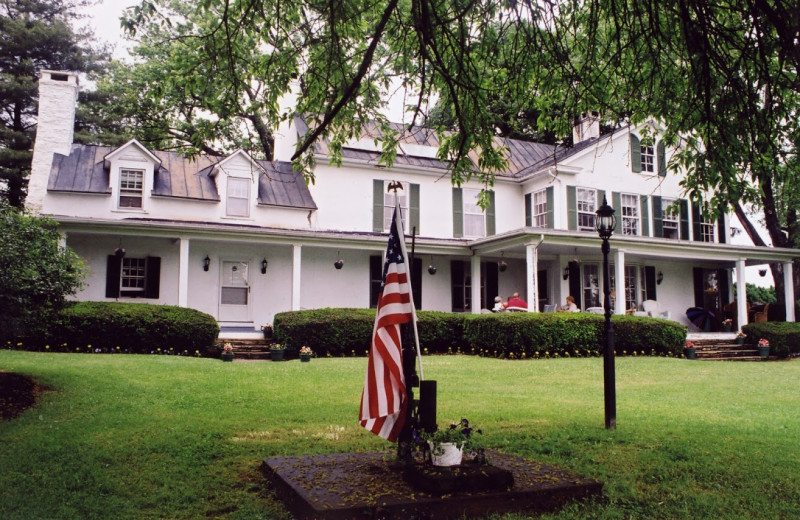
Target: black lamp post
x,y
605,223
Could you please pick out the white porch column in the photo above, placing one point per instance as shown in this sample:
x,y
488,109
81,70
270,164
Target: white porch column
x,y
62,239
788,290
531,272
296,264
183,273
619,281
741,294
475,284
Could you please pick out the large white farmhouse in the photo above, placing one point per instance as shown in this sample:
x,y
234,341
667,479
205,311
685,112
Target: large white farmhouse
x,y
243,239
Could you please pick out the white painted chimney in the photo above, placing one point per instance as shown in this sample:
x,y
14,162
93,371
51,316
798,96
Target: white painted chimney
x,y
587,126
58,94
286,133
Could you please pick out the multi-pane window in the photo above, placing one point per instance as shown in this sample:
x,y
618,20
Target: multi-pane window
x,y
631,285
539,210
474,218
630,214
587,207
130,188
591,286
388,205
238,203
707,229
134,274
648,158
670,219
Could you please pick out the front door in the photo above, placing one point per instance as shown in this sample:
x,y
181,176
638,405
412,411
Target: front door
x,y
234,296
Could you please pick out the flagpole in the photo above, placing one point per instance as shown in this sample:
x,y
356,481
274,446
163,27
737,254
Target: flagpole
x,y
408,275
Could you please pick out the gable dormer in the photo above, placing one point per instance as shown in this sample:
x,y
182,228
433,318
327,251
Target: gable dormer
x,y
237,183
131,173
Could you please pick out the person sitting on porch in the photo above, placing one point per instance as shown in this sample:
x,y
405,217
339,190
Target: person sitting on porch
x,y
516,301
570,306
499,305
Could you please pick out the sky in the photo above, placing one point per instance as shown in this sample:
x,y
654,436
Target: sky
x,y
104,20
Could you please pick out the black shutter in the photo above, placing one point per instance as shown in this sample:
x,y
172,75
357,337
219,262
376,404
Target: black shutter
x,y
153,277
575,284
650,282
528,210
375,279
636,154
658,222
722,284
491,285
457,284
685,220
722,231
698,287
113,271
697,229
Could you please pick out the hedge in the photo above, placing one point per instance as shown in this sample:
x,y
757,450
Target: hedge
x,y
783,337
346,332
139,328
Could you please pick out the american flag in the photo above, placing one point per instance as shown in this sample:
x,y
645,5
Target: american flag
x,y
383,402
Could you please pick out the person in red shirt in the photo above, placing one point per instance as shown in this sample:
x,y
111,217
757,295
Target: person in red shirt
x,y
516,301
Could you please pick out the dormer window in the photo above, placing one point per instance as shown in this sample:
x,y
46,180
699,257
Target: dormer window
x,y
238,197
648,156
131,184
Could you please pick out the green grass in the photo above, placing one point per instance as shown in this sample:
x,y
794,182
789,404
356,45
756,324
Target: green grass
x,y
166,437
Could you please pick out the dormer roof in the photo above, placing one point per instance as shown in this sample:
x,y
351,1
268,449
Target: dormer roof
x,y
259,170
120,152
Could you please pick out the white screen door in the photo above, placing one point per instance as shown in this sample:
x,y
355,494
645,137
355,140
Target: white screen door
x,y
234,296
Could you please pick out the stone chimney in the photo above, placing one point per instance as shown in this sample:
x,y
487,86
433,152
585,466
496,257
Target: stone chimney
x,y
587,126
58,94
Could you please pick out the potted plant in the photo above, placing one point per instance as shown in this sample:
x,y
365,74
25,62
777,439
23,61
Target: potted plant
x,y
689,350
446,445
227,352
740,338
276,352
269,333
727,325
763,348
305,354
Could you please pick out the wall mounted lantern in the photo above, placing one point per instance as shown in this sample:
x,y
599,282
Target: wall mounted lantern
x,y
566,272
502,265
264,265
659,278
119,252
206,263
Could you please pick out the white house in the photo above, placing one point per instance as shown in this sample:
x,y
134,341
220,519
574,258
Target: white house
x,y
243,239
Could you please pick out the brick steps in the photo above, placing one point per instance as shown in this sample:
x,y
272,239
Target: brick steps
x,y
249,349
725,350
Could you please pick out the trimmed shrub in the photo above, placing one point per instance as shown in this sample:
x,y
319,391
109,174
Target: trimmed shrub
x,y
783,337
347,332
131,327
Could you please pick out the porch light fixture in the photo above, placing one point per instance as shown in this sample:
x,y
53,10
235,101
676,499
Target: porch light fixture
x,y
339,262
431,268
206,263
761,272
566,272
119,252
264,265
659,278
605,223
502,265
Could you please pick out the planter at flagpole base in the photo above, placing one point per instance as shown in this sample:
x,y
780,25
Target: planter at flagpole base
x,y
446,454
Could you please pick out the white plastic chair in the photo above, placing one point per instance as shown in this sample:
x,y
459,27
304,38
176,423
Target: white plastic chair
x,y
651,308
596,310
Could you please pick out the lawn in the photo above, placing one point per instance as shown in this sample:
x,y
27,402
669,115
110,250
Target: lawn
x,y
167,437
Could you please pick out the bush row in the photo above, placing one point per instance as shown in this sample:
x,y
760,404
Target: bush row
x,y
783,337
136,328
347,332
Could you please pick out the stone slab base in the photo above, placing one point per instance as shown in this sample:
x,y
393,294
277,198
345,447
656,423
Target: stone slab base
x,y
364,486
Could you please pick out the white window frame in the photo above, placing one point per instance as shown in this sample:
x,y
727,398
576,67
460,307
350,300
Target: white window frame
x,y
708,230
404,196
648,158
629,212
631,286
131,189
539,208
587,208
133,274
233,194
670,219
591,285
473,215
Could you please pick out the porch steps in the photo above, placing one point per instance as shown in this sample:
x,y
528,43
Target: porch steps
x,y
726,350
249,348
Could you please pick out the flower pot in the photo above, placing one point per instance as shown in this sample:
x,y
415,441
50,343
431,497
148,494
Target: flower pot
x,y
268,333
690,353
276,354
227,356
740,341
763,351
305,358
446,454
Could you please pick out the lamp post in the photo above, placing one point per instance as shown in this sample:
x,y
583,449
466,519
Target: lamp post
x,y
605,223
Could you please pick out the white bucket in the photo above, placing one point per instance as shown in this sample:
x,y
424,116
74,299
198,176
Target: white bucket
x,y
449,454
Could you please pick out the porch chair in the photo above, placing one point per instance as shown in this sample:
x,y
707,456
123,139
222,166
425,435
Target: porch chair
x,y
550,307
596,310
652,310
761,317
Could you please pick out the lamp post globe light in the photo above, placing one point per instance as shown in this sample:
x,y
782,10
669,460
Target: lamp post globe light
x,y
605,224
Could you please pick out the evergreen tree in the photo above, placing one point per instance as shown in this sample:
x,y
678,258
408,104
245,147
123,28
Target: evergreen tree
x,y
34,35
